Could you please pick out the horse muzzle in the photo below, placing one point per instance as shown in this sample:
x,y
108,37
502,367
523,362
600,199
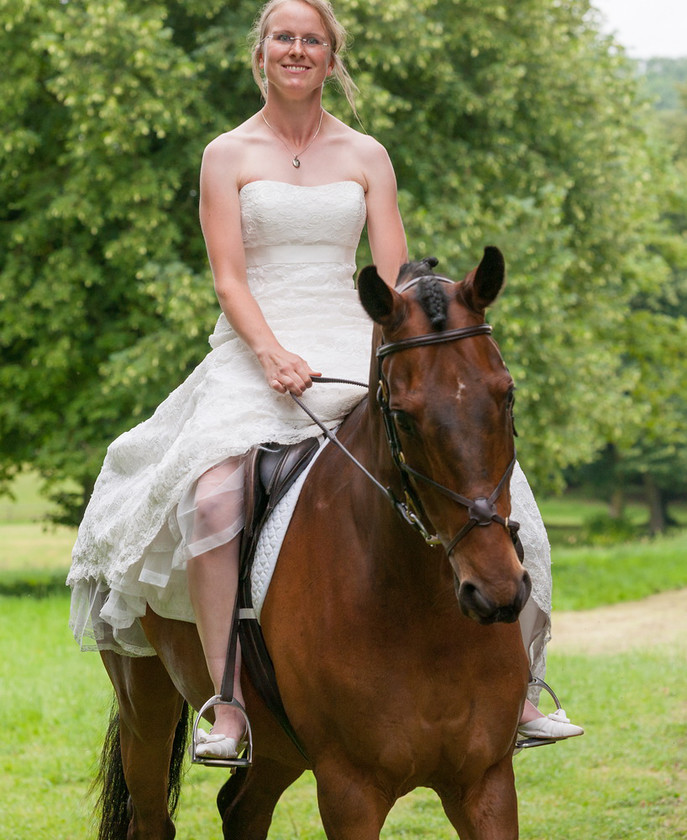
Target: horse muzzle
x,y
476,602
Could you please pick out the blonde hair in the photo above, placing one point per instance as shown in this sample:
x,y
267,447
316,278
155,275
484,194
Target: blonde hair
x,y
337,42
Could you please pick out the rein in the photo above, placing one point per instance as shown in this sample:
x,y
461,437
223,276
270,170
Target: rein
x,y
335,440
482,510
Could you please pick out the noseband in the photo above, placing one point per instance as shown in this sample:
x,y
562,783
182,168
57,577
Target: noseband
x,y
482,510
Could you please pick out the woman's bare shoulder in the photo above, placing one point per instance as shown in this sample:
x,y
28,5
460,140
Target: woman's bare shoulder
x,y
231,144
229,156
362,142
367,156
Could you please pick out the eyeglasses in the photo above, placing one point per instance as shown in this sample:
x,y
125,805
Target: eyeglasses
x,y
308,42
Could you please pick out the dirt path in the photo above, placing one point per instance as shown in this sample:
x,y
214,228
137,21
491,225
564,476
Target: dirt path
x,y
657,620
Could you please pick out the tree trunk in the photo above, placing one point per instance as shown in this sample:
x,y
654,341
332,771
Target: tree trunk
x,y
616,507
657,514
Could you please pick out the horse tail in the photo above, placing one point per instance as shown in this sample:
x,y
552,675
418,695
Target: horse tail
x,y
113,797
176,763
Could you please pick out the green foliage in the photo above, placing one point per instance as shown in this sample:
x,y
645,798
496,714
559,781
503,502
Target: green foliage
x,y
608,530
650,450
103,290
512,124
36,584
664,78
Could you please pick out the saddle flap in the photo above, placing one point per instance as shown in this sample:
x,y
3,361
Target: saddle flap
x,y
280,467
270,472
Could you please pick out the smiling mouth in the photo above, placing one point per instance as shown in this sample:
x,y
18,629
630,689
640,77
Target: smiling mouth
x,y
298,68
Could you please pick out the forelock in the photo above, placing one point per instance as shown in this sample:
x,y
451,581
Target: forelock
x,y
430,293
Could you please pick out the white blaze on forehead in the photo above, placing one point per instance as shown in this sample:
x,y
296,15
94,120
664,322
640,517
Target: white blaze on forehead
x,y
459,392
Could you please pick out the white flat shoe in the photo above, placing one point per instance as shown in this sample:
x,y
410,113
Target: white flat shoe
x,y
209,745
553,727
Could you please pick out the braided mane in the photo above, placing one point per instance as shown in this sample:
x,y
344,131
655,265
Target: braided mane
x,y
429,292
431,296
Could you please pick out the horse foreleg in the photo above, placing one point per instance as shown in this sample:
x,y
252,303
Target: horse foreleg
x,y
149,710
247,801
352,806
486,810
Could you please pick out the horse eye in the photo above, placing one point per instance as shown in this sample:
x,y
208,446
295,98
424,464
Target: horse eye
x,y
403,421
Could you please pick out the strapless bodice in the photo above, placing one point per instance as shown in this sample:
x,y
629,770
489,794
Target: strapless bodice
x,y
287,223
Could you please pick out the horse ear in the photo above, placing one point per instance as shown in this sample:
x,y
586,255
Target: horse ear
x,y
380,301
483,285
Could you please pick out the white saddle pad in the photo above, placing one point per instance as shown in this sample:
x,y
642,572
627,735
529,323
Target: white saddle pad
x,y
272,536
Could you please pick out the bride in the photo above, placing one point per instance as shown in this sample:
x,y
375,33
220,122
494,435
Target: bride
x,y
284,198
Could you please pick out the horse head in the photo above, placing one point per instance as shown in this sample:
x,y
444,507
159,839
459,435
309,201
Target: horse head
x,y
446,401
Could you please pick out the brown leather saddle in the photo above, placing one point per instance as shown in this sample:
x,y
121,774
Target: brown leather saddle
x,y
271,470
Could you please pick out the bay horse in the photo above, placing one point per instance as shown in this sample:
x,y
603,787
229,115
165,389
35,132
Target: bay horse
x,y
399,664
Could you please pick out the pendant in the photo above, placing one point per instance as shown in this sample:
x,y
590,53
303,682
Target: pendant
x,y
296,162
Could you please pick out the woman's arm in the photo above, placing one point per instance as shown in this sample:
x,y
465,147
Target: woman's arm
x,y
220,218
384,225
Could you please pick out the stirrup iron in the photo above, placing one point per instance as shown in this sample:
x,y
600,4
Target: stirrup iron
x,y
526,743
245,756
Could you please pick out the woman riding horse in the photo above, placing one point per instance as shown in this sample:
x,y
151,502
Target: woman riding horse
x,y
283,200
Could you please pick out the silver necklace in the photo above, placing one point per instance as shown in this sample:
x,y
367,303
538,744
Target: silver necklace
x,y
295,161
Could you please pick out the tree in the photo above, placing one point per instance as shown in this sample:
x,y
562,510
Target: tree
x,y
104,287
663,78
520,125
655,456
512,124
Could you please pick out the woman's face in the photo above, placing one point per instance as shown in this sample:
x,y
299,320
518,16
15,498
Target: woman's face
x,y
301,64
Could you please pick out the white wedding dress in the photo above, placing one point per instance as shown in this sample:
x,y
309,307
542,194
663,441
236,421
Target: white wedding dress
x,y
136,535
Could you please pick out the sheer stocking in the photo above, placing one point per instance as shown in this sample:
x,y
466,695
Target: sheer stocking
x,y
213,576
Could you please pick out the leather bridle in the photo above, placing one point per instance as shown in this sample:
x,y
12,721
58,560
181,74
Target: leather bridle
x,y
481,510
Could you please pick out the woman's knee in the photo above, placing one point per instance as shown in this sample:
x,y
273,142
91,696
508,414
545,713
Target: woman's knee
x,y
219,497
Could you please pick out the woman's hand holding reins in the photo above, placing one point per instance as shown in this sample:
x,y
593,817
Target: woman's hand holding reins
x,y
287,372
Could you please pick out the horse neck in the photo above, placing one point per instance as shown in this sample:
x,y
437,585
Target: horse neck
x,y
400,553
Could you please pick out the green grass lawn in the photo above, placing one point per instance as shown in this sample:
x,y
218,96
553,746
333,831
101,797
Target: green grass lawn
x,y
571,510
624,779
29,545
584,578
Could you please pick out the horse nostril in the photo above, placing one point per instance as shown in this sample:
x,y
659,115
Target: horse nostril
x,y
474,604
524,591
477,606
